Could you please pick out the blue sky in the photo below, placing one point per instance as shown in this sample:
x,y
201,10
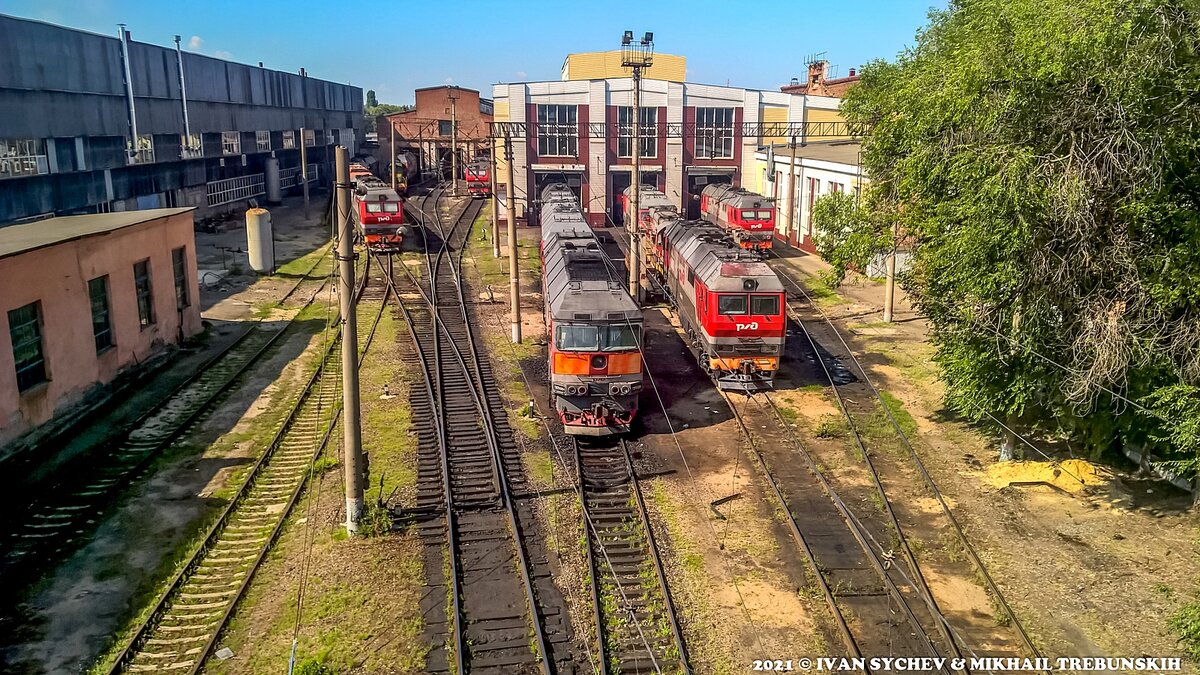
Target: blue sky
x,y
394,46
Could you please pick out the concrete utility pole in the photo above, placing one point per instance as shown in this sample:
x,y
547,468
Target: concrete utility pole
x,y
636,57
453,142
889,289
495,204
393,129
351,427
304,169
514,278
791,192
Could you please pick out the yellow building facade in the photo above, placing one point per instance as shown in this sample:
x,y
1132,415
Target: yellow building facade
x,y
605,65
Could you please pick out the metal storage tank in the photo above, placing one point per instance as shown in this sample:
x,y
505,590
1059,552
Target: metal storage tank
x,y
260,241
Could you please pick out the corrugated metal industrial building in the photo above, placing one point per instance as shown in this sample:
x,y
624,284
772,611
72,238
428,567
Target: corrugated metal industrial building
x,y
66,138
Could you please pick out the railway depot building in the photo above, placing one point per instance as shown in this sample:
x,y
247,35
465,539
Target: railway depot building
x,y
190,130
85,300
426,129
579,130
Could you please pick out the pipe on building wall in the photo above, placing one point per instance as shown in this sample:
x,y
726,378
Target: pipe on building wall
x,y
133,141
187,128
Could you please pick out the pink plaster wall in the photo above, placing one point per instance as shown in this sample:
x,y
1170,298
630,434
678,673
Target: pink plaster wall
x,y
57,276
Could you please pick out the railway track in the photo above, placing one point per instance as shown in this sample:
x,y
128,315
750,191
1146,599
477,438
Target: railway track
x,y
860,400
498,608
874,607
188,617
66,511
636,625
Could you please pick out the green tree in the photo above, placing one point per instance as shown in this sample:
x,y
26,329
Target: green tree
x,y
846,236
371,100
1040,155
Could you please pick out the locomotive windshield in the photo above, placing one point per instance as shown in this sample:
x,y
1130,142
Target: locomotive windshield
x,y
732,303
767,305
383,207
756,215
584,338
743,304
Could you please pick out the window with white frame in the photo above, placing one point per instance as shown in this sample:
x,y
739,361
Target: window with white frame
x,y
190,147
23,157
714,133
649,131
289,140
558,130
263,140
231,143
144,153
310,137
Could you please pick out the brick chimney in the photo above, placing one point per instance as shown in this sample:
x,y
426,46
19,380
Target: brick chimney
x,y
817,71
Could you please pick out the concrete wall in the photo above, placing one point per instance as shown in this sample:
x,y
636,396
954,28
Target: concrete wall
x,y
57,277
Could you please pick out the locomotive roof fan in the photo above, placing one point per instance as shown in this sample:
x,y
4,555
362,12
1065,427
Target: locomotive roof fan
x,y
749,284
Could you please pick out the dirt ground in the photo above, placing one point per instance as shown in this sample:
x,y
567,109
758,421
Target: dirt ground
x,y
1090,571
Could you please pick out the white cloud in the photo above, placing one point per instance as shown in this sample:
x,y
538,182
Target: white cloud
x,y
221,54
195,43
522,75
448,80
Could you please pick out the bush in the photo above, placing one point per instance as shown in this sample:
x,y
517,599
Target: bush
x,y
1185,623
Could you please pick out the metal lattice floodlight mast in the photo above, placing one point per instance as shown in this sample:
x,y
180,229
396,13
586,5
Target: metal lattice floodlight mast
x,y
636,56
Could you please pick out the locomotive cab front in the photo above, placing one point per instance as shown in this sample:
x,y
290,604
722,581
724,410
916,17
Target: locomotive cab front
x,y
747,329
596,375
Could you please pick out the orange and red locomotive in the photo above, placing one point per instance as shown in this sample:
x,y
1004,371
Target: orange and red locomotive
x,y
748,217
478,178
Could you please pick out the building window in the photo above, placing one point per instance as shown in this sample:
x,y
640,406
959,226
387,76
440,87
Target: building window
x,y
23,157
144,154
190,147
649,132
444,128
145,299
231,143
25,329
558,130
179,265
101,325
263,140
310,137
289,140
714,133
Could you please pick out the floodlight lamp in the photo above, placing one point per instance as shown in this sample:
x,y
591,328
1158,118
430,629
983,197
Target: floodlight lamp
x,y
648,38
627,38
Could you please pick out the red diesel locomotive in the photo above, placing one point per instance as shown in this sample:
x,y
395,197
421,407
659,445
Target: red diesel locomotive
x,y
378,213
748,217
478,178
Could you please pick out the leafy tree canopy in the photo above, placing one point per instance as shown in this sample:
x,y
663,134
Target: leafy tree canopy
x,y
1042,155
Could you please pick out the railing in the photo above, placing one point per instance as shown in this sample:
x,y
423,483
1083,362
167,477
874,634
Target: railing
x,y
13,166
289,178
233,189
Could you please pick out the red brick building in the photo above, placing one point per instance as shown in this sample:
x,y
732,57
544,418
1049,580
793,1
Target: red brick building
x,y
425,130
819,84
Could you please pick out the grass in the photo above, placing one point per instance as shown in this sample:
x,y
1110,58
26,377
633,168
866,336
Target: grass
x,y
832,426
1185,625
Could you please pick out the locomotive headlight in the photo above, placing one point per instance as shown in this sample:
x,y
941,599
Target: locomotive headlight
x,y
625,388
614,389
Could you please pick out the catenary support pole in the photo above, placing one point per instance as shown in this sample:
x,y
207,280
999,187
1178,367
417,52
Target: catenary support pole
x,y
187,126
304,169
351,429
635,247
889,288
453,143
791,194
392,127
495,204
514,277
